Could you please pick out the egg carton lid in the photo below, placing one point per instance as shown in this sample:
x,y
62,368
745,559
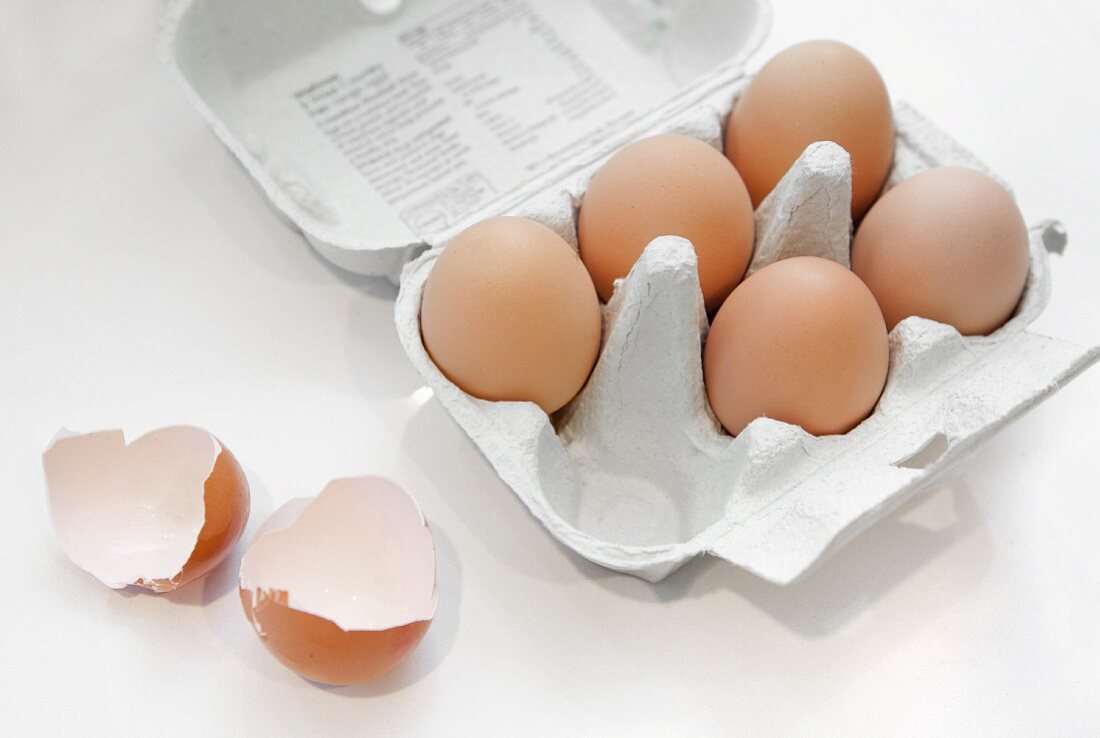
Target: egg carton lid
x,y
380,127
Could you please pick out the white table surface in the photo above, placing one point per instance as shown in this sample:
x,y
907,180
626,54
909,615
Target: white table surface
x,y
144,282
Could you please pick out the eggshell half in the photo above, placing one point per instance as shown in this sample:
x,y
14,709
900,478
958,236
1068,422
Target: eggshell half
x,y
157,513
342,588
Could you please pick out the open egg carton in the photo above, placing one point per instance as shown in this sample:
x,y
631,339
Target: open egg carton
x,y
635,473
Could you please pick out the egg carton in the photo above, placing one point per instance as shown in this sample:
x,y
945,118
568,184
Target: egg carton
x,y
636,474
613,475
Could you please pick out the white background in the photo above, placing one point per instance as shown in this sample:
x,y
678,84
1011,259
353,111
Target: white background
x,y
144,282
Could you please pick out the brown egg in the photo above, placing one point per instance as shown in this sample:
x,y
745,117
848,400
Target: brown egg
x,y
948,244
801,341
509,313
226,498
813,91
667,186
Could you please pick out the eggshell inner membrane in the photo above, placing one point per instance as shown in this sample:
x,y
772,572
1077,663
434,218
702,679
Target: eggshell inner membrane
x,y
359,555
284,516
130,514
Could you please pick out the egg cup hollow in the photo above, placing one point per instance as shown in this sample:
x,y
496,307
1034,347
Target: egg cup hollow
x,y
636,474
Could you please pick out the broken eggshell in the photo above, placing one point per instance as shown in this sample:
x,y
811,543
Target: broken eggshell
x,y
156,513
342,588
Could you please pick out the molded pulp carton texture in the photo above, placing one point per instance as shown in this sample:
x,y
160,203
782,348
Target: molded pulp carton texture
x,y
377,132
635,474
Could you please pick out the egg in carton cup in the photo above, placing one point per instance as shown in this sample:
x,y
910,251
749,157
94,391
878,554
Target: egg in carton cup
x,y
637,475
382,129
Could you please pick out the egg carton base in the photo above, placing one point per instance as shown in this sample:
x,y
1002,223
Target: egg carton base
x,y
636,474
788,498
